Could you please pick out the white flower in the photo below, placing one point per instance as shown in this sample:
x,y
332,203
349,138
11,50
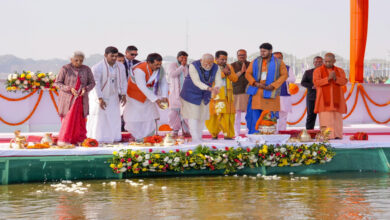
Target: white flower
x,y
224,161
202,168
185,165
192,164
34,77
32,73
147,156
25,82
122,170
52,77
277,149
14,76
169,161
50,73
307,152
42,87
166,159
139,159
129,163
314,153
145,164
328,159
283,149
219,159
121,154
177,159
9,77
240,167
267,163
17,82
224,155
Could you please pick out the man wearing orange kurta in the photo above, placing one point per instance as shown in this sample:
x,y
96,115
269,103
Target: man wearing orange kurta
x,y
222,110
330,103
265,75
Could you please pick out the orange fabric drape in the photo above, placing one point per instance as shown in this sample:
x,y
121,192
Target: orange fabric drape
x,y
358,38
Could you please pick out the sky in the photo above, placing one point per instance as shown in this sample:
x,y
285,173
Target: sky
x,y
45,29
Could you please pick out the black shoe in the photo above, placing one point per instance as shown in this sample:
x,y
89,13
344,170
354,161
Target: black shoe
x,y
337,138
214,138
228,138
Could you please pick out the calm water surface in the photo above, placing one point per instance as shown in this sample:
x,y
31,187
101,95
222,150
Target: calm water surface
x,y
335,196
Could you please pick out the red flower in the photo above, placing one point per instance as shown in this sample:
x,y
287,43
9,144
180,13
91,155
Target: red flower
x,y
128,159
212,167
177,150
136,155
248,149
214,147
319,152
150,150
115,168
122,160
236,160
283,155
299,150
260,155
277,154
187,154
150,161
163,151
226,148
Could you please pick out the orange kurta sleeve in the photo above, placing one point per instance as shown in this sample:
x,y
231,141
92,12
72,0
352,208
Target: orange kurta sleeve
x,y
233,76
283,76
341,80
318,81
249,76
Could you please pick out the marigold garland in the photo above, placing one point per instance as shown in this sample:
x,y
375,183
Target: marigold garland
x,y
19,99
229,159
300,100
28,117
89,142
53,100
299,120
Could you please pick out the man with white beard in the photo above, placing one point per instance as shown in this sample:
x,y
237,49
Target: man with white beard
x,y
196,93
104,120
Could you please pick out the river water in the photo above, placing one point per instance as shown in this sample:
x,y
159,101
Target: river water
x,y
331,196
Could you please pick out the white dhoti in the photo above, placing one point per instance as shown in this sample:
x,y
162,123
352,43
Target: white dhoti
x,y
197,116
105,125
140,118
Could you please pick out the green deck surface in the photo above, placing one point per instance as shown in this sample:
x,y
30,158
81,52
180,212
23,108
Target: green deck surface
x,y
57,168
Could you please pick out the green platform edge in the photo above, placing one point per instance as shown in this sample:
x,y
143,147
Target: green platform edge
x,y
56,168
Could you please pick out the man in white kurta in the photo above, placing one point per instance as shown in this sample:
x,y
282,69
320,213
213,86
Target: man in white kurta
x,y
147,89
285,97
195,95
104,120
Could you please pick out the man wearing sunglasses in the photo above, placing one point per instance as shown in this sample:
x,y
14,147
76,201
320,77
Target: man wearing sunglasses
x,y
130,61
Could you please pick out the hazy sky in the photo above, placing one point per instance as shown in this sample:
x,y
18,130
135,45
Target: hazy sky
x,y
43,29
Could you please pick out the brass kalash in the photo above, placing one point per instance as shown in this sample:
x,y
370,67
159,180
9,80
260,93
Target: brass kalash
x,y
19,140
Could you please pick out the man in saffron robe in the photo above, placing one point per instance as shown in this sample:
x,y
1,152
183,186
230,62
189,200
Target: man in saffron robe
x,y
265,75
222,111
74,81
147,88
239,88
177,71
104,122
196,93
330,103
285,97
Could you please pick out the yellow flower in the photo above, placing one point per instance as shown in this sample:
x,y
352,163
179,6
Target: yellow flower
x,y
135,165
22,75
157,156
132,153
202,156
161,166
41,75
37,84
120,165
9,88
322,148
28,76
265,151
144,169
112,166
265,146
239,156
239,148
115,153
190,152
28,71
303,156
155,164
135,171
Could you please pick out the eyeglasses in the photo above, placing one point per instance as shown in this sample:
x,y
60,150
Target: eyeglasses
x,y
134,54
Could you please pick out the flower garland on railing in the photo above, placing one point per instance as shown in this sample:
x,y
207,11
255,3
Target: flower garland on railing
x,y
29,81
229,159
